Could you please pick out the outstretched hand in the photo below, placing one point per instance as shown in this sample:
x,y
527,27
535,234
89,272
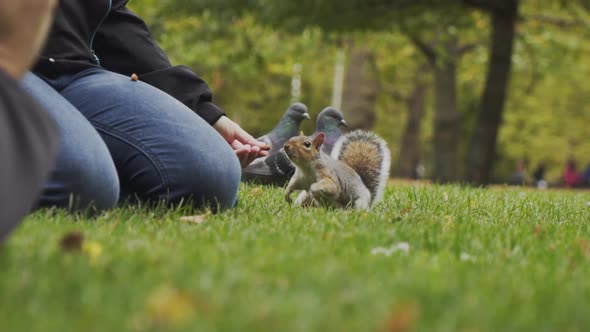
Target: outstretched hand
x,y
246,147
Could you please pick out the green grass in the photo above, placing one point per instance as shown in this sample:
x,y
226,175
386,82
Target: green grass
x,y
478,260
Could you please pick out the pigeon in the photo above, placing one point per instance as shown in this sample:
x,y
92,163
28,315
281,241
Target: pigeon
x,y
287,127
272,168
330,122
277,169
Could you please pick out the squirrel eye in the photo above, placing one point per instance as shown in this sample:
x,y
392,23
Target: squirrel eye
x,y
307,144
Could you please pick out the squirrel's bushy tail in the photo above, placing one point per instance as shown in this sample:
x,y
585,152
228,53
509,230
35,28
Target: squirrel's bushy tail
x,y
369,156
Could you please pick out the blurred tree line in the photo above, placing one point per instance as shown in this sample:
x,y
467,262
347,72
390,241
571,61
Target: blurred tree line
x,y
465,88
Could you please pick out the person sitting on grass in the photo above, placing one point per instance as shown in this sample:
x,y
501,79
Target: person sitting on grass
x,y
132,126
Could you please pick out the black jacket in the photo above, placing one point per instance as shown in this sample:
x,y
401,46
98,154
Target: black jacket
x,y
90,33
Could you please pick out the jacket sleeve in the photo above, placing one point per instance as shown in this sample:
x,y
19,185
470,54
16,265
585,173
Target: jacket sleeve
x,y
124,45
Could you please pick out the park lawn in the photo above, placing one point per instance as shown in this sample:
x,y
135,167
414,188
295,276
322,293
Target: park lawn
x,y
427,258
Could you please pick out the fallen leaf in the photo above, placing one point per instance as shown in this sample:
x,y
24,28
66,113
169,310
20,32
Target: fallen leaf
x,y
256,192
171,306
198,219
406,210
539,230
403,318
93,249
72,241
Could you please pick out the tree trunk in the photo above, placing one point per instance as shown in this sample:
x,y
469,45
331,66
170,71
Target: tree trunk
x,y
410,152
482,149
446,116
361,87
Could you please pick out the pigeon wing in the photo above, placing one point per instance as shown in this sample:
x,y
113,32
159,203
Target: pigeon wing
x,y
276,169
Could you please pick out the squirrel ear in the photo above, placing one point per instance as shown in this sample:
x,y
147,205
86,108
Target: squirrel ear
x,y
318,140
301,133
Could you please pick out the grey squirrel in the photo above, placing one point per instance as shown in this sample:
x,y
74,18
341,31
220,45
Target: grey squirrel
x,y
353,175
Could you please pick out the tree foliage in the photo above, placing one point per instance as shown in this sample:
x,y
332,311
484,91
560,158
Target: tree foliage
x,y
248,56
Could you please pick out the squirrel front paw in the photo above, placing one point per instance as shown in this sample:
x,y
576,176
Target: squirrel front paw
x,y
319,190
304,199
288,198
315,188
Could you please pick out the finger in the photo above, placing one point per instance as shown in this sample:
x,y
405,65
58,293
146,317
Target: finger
x,y
254,151
243,153
260,151
237,145
261,145
239,148
242,157
247,153
246,138
244,135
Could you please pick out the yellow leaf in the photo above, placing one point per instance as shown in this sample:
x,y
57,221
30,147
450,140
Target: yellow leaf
x,y
93,249
257,192
170,306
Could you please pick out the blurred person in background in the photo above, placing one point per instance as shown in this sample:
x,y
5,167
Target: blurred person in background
x,y
586,176
571,176
539,176
520,176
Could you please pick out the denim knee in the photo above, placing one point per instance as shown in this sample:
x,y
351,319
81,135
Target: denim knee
x,y
99,190
215,183
83,184
84,175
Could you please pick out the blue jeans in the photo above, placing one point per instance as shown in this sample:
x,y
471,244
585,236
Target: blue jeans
x,y
124,140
